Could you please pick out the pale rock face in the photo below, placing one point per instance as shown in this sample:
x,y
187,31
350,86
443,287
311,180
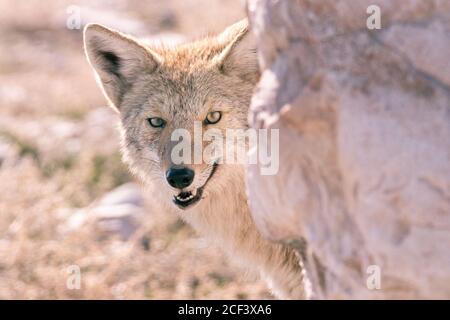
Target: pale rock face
x,y
364,119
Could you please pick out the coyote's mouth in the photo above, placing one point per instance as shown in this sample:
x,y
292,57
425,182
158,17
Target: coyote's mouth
x,y
187,199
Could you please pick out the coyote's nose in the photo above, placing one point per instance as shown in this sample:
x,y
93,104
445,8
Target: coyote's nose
x,y
180,177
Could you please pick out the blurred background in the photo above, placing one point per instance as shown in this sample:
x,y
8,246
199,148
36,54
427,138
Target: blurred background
x,y
68,206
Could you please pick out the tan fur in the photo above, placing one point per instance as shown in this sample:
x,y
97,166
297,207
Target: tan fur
x,y
183,84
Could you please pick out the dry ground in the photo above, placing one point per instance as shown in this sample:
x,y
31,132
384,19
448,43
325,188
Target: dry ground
x,y
59,151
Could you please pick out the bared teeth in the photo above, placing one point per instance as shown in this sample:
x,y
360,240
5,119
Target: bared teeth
x,y
183,197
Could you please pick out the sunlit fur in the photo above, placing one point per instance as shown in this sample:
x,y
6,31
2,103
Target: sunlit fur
x,y
181,85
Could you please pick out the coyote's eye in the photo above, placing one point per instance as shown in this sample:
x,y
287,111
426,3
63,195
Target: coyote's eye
x,y
213,117
156,122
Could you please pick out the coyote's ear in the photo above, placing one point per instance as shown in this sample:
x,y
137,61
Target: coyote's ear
x,y
239,54
117,59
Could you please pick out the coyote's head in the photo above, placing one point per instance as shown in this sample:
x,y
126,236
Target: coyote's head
x,y
160,90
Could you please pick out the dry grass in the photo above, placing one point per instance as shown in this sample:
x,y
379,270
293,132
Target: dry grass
x,y
59,150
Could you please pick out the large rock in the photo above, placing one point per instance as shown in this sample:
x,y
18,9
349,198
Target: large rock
x,y
364,119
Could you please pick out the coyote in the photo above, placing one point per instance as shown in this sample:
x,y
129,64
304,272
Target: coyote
x,y
157,90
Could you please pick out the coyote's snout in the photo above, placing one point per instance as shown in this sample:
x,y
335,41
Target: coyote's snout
x,y
181,179
164,94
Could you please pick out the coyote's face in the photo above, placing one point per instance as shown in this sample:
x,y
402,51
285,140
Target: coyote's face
x,y
158,92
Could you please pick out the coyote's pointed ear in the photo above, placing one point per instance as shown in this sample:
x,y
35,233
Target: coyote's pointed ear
x,y
239,54
117,59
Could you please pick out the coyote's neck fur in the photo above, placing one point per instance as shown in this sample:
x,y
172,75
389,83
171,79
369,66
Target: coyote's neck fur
x,y
227,222
159,90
